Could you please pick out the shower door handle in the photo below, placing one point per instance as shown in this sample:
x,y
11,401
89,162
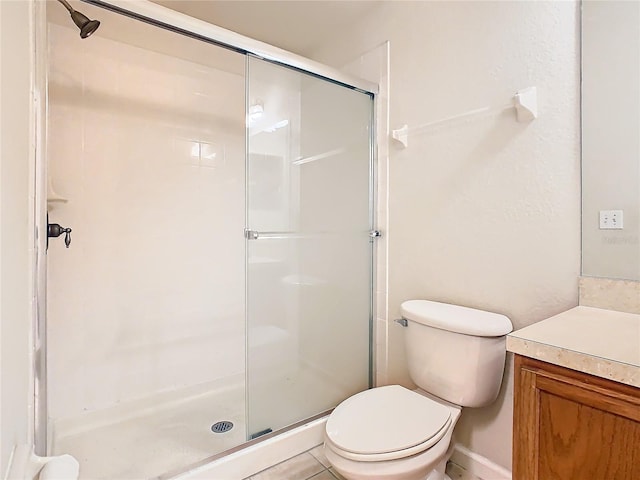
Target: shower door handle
x,y
256,235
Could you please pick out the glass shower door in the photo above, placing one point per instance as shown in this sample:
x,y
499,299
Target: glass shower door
x,y
309,253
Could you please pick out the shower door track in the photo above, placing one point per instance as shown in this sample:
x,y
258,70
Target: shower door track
x,y
183,24
174,473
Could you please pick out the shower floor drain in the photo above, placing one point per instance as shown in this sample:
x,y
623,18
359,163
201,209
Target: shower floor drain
x,y
221,427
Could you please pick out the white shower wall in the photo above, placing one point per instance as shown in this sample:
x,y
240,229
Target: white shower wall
x,y
148,149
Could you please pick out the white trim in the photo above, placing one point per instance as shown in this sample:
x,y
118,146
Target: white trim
x,y
222,36
477,465
38,224
260,456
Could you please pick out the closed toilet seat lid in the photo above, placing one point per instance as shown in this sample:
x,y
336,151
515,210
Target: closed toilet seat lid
x,y
386,423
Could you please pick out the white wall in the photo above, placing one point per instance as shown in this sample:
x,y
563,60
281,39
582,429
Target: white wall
x,y
15,235
150,296
484,212
610,136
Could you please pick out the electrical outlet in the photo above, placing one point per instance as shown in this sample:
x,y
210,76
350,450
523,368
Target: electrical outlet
x,y
611,220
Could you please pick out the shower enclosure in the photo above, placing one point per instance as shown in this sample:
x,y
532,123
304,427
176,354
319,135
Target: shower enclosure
x,y
218,285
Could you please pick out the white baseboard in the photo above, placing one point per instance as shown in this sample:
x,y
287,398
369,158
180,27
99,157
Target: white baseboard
x,y
477,465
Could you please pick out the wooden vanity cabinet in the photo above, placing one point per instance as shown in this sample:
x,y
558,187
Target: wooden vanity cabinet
x,y
570,425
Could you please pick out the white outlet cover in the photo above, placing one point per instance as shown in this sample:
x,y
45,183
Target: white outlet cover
x,y
611,220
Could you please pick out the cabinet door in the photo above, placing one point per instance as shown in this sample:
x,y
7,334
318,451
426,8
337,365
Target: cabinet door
x,y
573,426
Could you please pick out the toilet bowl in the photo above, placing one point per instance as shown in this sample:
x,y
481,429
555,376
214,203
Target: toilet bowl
x,y
456,356
391,433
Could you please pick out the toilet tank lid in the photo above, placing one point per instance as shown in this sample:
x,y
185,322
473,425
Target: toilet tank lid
x,y
455,318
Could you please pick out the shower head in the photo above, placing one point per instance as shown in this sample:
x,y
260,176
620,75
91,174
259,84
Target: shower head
x,y
86,26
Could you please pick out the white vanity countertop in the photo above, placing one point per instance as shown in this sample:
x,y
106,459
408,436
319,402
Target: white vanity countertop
x,y
600,342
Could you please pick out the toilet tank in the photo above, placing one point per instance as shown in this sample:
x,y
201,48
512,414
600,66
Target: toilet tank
x,y
455,353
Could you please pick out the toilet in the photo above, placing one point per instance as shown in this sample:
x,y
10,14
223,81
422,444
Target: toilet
x,y
456,357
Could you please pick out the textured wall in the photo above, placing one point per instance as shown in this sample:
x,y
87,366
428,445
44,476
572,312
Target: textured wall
x,y
484,212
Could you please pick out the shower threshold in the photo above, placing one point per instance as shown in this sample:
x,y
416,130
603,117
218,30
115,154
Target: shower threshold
x,y
258,454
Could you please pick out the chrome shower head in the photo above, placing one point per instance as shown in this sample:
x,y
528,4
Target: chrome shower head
x,y
86,26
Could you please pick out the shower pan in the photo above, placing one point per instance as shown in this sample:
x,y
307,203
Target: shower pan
x,y
218,289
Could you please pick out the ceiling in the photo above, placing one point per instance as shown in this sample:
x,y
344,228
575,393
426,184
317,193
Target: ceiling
x,y
296,26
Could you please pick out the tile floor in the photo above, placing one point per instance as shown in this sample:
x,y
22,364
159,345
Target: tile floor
x,y
313,465
309,465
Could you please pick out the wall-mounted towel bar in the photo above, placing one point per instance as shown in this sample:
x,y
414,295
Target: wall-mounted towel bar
x,y
524,101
